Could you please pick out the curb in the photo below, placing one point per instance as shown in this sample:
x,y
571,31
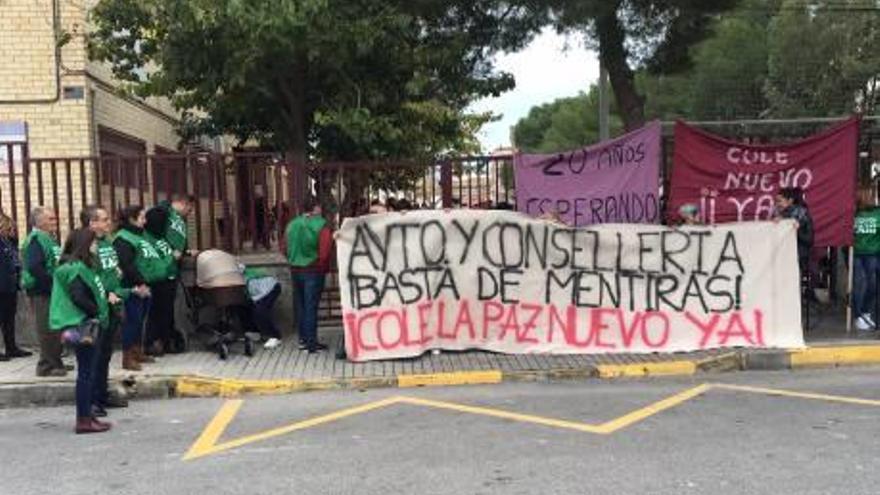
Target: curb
x,y
166,387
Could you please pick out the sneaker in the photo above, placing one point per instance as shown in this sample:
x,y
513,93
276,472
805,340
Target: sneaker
x,y
867,318
316,347
303,345
862,325
272,343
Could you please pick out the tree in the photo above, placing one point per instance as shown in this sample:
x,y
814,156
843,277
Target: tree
x,y
564,124
823,58
634,34
332,79
729,71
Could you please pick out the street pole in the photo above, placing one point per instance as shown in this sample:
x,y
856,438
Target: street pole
x,y
604,103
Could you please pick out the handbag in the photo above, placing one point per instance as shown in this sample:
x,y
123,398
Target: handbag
x,y
86,333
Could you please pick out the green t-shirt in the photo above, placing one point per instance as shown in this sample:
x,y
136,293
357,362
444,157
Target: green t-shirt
x,y
52,252
867,231
303,235
151,265
108,269
63,313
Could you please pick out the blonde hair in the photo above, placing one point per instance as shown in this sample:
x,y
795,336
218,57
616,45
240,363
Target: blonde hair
x,y
7,226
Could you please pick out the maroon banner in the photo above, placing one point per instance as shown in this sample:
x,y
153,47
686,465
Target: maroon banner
x,y
736,182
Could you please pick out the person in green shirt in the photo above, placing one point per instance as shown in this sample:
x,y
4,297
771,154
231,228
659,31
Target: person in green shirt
x,y
97,219
79,312
40,254
141,265
866,265
166,229
309,246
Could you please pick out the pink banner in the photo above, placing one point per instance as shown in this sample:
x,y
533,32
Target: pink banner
x,y
614,181
733,181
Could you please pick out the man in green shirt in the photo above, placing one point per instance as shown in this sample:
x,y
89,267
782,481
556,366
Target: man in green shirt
x,y
867,261
97,219
309,249
40,255
166,229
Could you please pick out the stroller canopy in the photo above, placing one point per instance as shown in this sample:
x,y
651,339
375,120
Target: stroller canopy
x,y
216,268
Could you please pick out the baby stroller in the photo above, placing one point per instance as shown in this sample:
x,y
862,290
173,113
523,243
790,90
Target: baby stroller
x,y
219,284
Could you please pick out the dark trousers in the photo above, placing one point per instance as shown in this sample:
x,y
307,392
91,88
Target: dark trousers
x,y
8,307
307,289
865,276
102,362
50,342
136,310
160,323
262,311
86,357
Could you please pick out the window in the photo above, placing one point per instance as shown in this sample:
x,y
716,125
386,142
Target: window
x,y
123,159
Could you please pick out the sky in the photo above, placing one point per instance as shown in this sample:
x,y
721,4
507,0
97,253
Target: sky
x,y
552,66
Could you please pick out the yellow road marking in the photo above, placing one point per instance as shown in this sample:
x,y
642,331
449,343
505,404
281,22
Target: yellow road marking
x,y
498,413
208,439
659,406
458,378
647,369
799,395
839,355
207,443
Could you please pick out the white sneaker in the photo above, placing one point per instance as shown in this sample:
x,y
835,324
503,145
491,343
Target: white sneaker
x,y
862,325
869,320
272,343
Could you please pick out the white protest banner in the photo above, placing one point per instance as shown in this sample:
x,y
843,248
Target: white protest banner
x,y
504,282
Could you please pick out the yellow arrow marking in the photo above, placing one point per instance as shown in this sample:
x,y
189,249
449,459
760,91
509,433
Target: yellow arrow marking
x,y
207,444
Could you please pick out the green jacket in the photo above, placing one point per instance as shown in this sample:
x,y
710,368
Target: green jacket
x,y
867,231
63,313
50,248
303,234
108,269
166,252
151,265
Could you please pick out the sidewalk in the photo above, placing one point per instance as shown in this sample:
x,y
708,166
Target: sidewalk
x,y
286,369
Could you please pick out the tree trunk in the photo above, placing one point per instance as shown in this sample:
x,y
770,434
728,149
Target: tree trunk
x,y
613,55
298,118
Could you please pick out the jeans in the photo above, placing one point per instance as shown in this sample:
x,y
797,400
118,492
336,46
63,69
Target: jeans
x,y
866,270
86,357
102,361
307,289
136,310
262,311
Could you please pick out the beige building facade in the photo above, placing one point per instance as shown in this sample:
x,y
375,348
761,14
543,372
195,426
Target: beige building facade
x,y
61,111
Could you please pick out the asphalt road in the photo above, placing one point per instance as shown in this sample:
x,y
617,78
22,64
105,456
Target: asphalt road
x,y
535,438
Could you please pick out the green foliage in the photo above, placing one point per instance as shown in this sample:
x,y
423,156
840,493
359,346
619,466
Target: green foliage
x,y
332,79
823,60
631,35
564,124
777,59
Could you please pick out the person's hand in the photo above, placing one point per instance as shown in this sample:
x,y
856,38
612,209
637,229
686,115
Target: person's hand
x,y
177,255
141,291
113,298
